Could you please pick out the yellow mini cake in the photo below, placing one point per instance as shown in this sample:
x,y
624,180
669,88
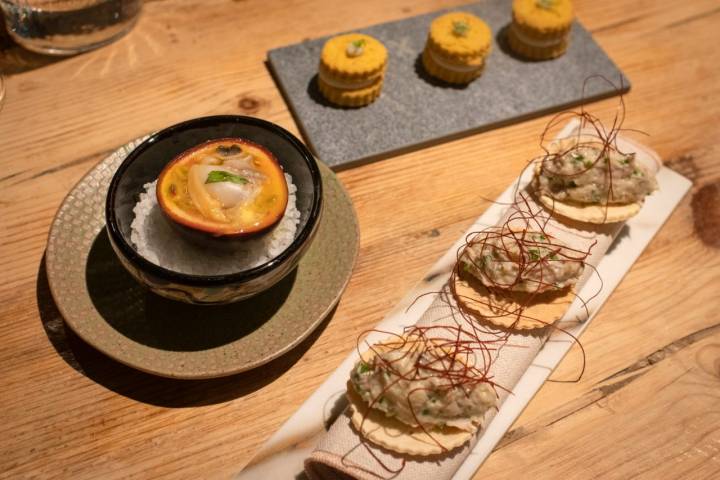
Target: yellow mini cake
x,y
351,69
540,28
456,47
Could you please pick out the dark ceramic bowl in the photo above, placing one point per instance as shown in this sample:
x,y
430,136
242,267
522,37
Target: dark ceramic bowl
x,y
144,165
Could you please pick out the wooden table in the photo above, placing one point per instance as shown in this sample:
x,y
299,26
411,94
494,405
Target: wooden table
x,y
649,402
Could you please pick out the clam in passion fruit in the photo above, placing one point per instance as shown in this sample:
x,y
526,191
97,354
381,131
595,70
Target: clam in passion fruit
x,y
228,188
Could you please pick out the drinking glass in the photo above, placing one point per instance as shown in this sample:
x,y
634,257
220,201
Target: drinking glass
x,y
66,27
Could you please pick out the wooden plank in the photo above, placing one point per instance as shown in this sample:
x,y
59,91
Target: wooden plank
x,y
67,411
662,410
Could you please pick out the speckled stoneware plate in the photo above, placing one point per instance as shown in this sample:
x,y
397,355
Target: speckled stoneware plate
x,y
108,309
415,110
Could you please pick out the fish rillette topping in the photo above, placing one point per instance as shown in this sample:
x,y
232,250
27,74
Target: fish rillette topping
x,y
591,174
528,261
406,385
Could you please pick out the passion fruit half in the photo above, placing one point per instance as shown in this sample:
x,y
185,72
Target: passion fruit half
x,y
229,187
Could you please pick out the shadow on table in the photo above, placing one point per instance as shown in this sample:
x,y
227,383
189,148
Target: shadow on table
x,y
620,237
158,322
15,59
313,91
149,388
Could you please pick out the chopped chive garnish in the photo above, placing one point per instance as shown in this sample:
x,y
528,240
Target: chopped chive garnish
x,y
364,367
460,28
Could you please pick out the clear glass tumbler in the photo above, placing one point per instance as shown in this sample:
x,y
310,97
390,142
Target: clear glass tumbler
x,y
66,27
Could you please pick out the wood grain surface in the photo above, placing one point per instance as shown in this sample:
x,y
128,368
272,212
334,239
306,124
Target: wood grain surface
x,y
648,405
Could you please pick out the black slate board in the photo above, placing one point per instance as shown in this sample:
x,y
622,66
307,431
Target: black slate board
x,y
414,110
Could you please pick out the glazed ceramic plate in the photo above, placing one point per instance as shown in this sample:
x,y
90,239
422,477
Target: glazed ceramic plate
x,y
108,309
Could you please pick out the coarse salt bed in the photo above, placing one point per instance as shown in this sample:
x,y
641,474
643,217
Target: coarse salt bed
x,y
157,241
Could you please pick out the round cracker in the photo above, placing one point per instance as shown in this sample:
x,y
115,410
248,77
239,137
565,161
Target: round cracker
x,y
584,212
537,310
394,435
589,213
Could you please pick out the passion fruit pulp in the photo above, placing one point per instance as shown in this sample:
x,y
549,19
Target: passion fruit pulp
x,y
228,187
